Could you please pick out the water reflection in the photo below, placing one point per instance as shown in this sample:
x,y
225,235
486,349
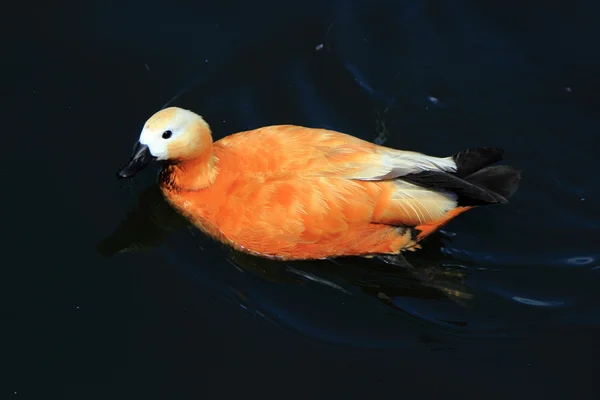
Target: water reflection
x,y
428,274
430,297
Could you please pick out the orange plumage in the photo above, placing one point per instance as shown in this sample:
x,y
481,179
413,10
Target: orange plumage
x,y
292,192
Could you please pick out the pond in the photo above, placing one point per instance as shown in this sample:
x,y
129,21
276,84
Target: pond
x,y
111,294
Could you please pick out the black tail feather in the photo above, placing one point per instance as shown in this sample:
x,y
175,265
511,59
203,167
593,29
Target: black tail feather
x,y
472,160
500,179
475,181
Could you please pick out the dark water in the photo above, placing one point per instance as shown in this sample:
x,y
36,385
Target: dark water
x,y
502,304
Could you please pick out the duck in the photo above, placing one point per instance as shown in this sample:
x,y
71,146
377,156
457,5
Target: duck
x,y
291,192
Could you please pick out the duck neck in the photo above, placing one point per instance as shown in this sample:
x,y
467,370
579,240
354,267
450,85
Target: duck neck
x,y
191,174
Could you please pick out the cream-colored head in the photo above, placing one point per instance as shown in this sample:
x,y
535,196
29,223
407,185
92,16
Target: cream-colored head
x,y
171,134
176,134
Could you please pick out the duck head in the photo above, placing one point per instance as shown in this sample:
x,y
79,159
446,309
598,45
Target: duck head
x,y
172,134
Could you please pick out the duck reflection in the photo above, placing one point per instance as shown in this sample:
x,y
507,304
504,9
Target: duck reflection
x,y
427,274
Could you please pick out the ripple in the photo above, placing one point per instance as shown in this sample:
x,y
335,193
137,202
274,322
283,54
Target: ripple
x,y
580,260
520,258
537,303
359,78
314,278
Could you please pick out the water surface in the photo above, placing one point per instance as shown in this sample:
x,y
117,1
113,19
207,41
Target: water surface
x,y
110,295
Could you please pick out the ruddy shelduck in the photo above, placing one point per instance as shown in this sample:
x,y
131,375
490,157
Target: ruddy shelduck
x,y
292,192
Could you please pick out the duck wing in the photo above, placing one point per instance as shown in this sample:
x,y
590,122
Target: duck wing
x,y
288,149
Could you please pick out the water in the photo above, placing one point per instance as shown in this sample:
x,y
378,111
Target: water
x,y
502,303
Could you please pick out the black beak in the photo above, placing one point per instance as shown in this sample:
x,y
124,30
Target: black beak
x,y
141,157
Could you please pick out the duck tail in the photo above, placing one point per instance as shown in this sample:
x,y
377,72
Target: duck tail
x,y
499,182
475,181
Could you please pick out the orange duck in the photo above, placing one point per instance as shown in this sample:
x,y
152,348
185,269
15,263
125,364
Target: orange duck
x,y
291,192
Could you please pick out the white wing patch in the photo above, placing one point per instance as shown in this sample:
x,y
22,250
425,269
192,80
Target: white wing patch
x,y
397,163
424,204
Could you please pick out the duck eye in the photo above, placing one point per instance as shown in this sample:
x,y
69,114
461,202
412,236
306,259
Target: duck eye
x,y
167,134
